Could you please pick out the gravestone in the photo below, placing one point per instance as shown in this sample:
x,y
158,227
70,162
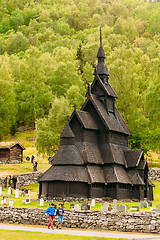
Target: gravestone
x,y
115,205
105,207
41,202
93,202
143,205
17,193
84,206
11,201
122,208
76,207
0,191
71,206
9,192
5,200
158,208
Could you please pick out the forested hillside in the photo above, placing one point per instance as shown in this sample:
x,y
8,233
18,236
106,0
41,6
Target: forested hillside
x,y
49,47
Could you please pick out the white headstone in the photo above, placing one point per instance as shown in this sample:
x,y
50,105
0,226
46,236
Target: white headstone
x,y
5,200
122,208
41,202
0,191
76,207
93,203
9,192
115,205
11,201
17,193
104,207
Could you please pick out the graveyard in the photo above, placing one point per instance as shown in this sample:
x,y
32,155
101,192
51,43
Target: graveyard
x,y
20,200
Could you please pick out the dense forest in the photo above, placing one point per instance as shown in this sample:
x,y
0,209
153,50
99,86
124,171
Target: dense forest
x,y
48,48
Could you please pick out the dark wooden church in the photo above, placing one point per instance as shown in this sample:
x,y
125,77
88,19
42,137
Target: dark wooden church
x,y
94,159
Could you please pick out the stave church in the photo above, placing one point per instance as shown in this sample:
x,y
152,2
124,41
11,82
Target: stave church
x,y
94,159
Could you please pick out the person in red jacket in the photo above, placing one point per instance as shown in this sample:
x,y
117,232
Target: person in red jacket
x,y
51,213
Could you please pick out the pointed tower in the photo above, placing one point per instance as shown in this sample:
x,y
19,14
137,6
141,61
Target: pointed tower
x,y
94,159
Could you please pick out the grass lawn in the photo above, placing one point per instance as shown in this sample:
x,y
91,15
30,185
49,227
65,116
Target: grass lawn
x,y
25,235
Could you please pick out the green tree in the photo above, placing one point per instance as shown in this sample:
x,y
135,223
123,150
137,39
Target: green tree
x,y
50,128
16,43
7,97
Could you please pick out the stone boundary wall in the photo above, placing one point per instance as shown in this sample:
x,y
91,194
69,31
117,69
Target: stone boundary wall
x,y
22,179
127,222
27,178
154,174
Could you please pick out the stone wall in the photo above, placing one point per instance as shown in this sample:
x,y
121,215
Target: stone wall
x,y
27,178
154,174
22,179
127,222
3,182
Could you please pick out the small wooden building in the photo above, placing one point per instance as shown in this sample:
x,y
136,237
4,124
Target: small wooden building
x,y
11,152
94,159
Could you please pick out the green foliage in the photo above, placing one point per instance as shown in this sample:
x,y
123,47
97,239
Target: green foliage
x,y
49,128
52,46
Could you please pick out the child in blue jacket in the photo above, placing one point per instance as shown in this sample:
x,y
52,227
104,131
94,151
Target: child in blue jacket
x,y
51,213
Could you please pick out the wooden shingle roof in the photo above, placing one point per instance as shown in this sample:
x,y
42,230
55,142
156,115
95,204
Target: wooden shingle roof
x,y
96,174
135,177
116,174
107,88
85,119
111,121
92,154
67,132
133,157
63,173
9,145
67,155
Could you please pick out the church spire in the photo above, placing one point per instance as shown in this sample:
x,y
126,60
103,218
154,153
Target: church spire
x,y
101,67
100,53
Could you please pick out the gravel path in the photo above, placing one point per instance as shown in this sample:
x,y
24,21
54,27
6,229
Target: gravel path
x,y
82,232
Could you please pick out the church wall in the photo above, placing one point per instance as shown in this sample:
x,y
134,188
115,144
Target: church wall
x,y
69,189
97,90
117,138
111,190
78,189
124,191
90,136
110,104
97,192
44,189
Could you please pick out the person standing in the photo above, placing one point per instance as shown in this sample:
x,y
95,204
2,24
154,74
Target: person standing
x,y
32,158
35,163
9,181
60,212
14,180
51,213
